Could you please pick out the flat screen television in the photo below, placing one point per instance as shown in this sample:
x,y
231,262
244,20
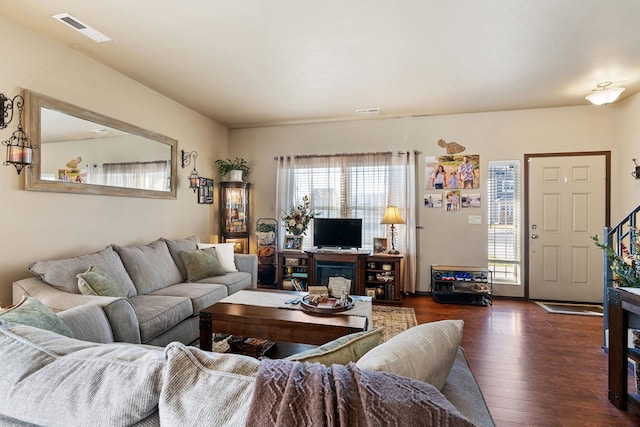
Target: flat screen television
x,y
337,232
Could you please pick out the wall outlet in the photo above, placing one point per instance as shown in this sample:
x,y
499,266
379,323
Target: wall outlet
x,y
475,219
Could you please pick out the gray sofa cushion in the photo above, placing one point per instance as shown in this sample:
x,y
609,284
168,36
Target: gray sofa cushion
x,y
202,295
51,380
61,274
151,266
177,246
233,281
157,313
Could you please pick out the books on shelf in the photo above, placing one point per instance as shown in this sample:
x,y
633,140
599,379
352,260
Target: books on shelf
x,y
297,284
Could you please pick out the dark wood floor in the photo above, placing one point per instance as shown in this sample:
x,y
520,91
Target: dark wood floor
x,y
534,368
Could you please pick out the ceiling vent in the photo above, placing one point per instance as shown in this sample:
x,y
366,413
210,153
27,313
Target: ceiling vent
x,y
368,111
81,27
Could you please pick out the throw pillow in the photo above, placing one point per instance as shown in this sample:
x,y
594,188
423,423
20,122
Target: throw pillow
x,y
343,350
201,264
203,388
425,352
32,312
225,254
97,282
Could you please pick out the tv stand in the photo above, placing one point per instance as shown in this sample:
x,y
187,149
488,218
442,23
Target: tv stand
x,y
378,276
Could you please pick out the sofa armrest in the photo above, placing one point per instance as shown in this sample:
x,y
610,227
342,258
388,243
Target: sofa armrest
x,y
88,323
249,264
119,311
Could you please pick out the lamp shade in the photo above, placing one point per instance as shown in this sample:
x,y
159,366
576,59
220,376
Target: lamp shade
x,y
605,96
392,216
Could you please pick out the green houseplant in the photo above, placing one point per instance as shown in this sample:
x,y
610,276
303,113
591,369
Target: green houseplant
x,y
238,164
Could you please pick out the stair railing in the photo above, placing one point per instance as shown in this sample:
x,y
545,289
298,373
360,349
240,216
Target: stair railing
x,y
615,237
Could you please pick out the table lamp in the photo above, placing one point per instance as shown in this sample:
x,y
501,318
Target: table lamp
x,y
392,216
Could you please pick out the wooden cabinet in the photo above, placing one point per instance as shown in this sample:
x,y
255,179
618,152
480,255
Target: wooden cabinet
x,y
380,274
234,214
292,265
383,278
461,285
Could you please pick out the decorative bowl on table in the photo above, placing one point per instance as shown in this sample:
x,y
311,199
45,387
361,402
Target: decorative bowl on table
x,y
325,305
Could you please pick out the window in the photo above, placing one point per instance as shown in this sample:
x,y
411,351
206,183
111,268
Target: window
x,y
504,220
347,186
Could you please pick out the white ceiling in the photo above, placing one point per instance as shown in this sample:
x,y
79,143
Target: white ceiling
x,y
251,63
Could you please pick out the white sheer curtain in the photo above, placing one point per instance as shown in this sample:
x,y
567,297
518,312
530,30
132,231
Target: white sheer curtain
x,y
358,185
153,175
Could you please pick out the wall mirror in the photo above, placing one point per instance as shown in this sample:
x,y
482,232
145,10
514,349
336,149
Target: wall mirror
x,y
80,151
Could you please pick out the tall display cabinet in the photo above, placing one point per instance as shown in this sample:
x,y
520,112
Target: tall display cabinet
x,y
234,214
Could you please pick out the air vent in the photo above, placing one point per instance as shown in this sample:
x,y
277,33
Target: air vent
x,y
81,27
368,111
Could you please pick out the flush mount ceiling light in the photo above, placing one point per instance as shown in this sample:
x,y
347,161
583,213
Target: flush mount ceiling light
x,y
81,27
604,94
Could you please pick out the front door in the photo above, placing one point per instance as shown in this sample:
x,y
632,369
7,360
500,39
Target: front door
x,y
567,203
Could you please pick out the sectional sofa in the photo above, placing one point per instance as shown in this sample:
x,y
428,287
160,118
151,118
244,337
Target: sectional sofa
x,y
157,295
55,380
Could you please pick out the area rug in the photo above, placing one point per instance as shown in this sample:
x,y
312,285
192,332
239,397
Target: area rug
x,y
393,319
568,308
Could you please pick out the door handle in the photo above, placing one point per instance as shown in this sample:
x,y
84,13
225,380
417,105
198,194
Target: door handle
x,y
534,236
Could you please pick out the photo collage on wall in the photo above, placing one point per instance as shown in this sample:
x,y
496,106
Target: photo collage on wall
x,y
450,181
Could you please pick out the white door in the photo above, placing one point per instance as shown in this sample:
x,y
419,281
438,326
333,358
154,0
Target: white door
x,y
567,205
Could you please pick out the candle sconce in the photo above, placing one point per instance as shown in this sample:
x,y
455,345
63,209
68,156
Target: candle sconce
x,y
194,177
19,148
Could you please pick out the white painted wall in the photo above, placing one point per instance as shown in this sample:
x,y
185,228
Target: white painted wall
x,y
39,226
447,238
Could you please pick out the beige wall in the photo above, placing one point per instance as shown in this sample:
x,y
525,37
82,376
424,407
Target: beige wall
x,y
447,238
38,226
626,194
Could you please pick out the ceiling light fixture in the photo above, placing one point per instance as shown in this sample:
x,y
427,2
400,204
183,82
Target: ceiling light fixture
x,y
603,94
81,27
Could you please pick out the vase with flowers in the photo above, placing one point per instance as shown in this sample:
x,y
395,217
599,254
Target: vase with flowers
x,y
626,265
296,221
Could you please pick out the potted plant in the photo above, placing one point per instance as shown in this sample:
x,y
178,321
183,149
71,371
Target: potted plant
x,y
237,168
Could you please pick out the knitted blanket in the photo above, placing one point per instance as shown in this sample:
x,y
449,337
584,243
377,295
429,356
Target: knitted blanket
x,y
291,393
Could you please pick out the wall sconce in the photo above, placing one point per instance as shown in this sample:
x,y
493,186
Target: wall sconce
x,y
636,173
194,178
19,148
392,216
603,94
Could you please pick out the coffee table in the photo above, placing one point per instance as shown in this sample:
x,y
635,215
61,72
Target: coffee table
x,y
263,314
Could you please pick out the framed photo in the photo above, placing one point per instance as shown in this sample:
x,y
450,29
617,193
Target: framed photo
x,y
433,200
371,292
470,201
293,243
205,191
379,245
452,172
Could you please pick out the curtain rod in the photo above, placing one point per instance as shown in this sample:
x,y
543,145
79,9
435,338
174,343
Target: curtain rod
x,y
307,156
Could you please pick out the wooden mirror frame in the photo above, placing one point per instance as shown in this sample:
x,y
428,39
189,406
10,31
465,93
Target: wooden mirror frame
x,y
34,102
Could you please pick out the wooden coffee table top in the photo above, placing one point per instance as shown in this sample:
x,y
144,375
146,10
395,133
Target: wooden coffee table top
x,y
276,321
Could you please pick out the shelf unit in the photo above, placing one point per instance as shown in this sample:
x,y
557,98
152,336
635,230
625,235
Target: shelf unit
x,y
266,240
292,264
461,284
234,214
383,278
357,267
